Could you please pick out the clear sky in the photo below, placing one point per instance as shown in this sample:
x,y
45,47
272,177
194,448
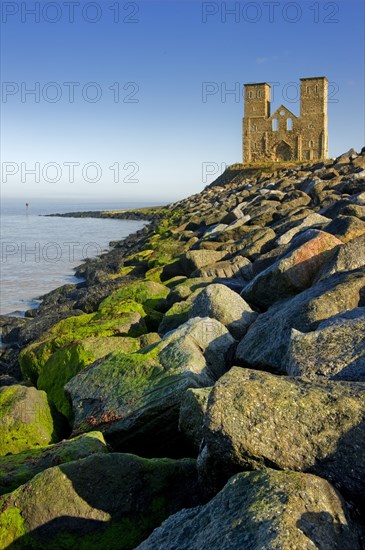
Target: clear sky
x,y
142,87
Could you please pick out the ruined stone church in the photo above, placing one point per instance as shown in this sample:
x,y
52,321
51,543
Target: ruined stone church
x,y
282,136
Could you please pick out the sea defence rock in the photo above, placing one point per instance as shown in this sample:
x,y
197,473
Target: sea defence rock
x,y
25,419
134,399
219,302
102,501
336,350
238,267
346,228
33,358
150,295
313,220
64,363
196,259
254,242
348,257
17,469
256,419
191,417
177,397
183,290
263,509
293,272
266,342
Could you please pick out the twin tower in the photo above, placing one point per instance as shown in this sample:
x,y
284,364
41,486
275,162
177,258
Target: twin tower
x,y
282,136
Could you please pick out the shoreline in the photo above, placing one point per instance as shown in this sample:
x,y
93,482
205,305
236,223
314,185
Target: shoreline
x,y
213,341
11,324
147,213
139,215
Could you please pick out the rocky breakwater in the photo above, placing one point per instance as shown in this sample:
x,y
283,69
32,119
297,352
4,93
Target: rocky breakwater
x,y
205,385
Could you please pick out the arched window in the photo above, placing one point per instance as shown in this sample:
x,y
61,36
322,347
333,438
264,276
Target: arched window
x,y
250,95
258,95
311,144
289,124
275,126
307,89
316,88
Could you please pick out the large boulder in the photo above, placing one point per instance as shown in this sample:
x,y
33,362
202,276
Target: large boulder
x,y
73,329
266,342
263,509
150,295
238,267
255,241
294,271
66,362
196,259
219,302
25,419
335,350
183,290
134,399
257,419
313,220
346,228
17,469
346,258
109,501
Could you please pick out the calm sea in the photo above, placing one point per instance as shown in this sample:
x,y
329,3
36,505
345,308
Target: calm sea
x,y
38,254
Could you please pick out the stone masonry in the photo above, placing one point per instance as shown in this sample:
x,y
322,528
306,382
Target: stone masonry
x,y
282,136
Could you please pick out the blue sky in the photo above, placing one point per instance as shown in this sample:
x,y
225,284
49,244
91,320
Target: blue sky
x,y
164,136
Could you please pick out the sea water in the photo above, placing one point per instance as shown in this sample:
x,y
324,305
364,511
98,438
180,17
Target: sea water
x,y
39,254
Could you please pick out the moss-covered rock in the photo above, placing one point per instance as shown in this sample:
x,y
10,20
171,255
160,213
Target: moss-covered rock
x,y
145,297
66,362
134,399
25,419
175,316
111,309
165,252
265,509
256,419
154,274
146,293
103,501
17,469
33,358
184,289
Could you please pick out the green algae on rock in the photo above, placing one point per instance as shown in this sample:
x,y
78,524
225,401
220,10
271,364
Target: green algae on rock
x,y
26,419
109,501
19,468
66,362
90,325
134,399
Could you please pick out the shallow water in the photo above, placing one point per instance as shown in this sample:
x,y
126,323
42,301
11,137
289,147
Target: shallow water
x,y
38,253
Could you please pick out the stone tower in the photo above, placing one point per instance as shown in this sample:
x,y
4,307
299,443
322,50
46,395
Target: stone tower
x,y
282,136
